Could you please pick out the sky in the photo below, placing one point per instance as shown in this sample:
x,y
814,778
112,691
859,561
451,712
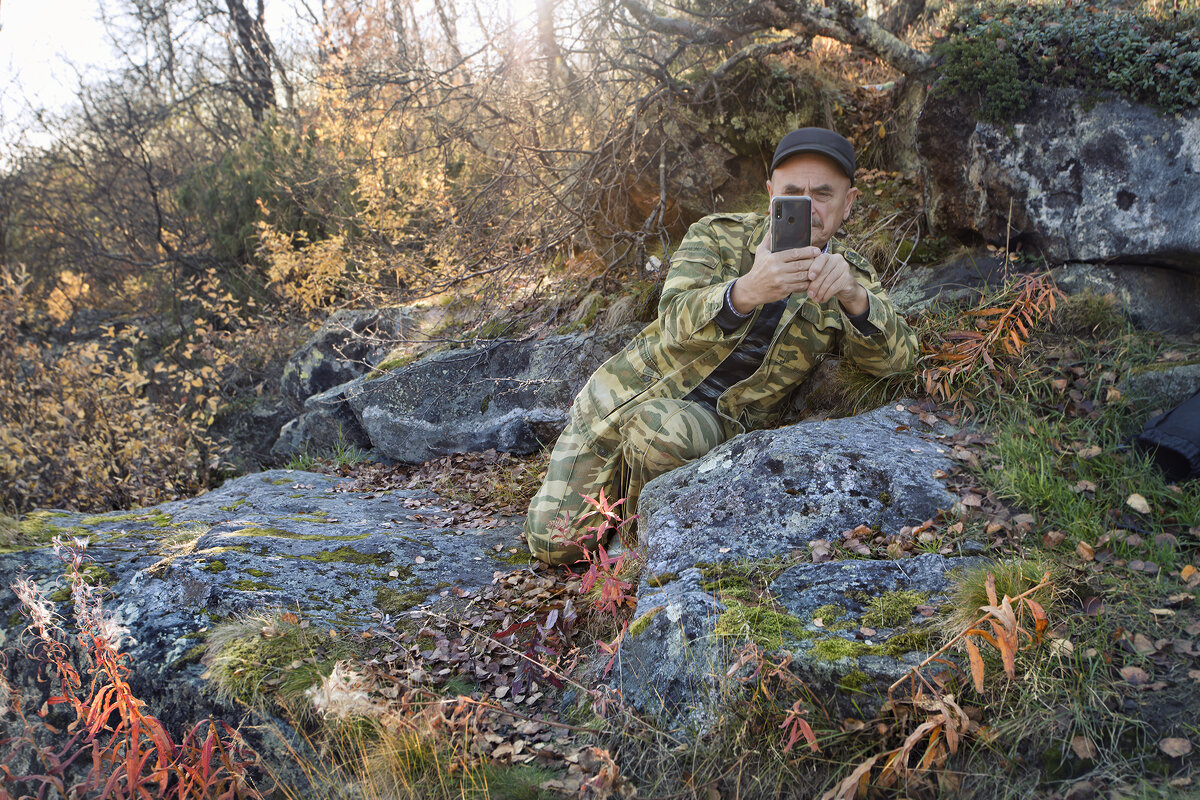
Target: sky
x,y
39,40
45,45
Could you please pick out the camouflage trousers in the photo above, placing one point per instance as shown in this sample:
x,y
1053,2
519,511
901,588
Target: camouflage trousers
x,y
654,437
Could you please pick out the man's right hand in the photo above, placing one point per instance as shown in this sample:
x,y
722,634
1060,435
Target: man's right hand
x,y
773,276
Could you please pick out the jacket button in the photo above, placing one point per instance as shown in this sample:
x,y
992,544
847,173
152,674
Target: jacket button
x,y
647,378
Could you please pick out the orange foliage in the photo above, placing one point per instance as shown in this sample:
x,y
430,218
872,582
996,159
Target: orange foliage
x,y
131,753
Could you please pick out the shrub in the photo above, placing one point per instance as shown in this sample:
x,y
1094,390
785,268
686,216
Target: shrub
x,y
999,52
113,748
98,424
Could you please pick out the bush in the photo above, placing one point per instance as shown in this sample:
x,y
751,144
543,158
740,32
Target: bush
x,y
1000,52
97,424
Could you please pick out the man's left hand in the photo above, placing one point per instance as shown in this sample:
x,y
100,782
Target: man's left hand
x,y
830,275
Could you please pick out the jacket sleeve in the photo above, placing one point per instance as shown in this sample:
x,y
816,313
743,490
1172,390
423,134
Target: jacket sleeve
x,y
892,346
702,268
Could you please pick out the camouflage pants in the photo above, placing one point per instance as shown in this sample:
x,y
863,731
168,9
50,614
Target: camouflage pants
x,y
655,436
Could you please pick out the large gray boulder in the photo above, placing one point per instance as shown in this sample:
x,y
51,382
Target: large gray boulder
x,y
1085,181
1152,298
771,492
326,423
261,544
742,517
347,345
509,395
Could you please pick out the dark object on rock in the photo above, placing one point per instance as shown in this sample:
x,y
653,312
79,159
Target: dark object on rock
x,y
1174,440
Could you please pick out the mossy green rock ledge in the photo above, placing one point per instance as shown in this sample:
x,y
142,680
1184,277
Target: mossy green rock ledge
x,y
721,535
274,541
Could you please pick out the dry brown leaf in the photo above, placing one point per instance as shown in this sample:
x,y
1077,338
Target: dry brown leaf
x,y
1175,747
1052,539
1090,452
1135,675
1083,747
976,664
1085,551
1138,503
1142,644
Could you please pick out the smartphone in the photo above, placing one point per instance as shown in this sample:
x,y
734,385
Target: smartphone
x,y
791,222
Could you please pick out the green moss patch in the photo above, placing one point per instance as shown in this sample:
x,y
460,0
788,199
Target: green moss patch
x,y
513,556
640,624
350,556
853,681
391,601
766,627
916,638
279,533
836,648
744,581
892,608
659,581
246,585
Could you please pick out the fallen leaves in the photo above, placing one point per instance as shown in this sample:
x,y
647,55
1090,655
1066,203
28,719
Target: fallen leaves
x,y
1138,503
1135,675
1083,747
1175,747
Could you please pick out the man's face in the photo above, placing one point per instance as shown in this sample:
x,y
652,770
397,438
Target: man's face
x,y
818,177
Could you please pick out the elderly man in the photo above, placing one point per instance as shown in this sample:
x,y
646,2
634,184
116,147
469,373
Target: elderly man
x,y
738,328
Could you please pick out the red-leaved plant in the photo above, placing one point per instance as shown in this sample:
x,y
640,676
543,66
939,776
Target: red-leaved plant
x,y
126,752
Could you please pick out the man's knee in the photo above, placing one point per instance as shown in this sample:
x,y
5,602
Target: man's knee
x,y
664,434
553,539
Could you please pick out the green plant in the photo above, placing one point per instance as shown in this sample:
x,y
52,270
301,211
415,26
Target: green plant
x,y
999,52
302,461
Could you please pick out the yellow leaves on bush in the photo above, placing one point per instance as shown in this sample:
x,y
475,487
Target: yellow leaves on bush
x,y
88,425
64,298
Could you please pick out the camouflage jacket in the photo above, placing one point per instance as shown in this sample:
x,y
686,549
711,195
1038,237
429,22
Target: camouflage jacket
x,y
679,349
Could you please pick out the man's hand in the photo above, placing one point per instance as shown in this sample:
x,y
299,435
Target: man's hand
x,y
774,276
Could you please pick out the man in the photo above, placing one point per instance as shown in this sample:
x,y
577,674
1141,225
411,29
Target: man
x,y
738,328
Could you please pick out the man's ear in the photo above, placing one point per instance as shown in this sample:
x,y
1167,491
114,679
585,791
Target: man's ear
x,y
851,196
770,191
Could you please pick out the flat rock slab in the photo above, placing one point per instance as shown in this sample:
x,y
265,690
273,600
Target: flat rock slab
x,y
273,541
750,508
510,395
772,492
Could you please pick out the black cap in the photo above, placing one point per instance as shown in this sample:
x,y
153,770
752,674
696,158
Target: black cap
x,y
816,140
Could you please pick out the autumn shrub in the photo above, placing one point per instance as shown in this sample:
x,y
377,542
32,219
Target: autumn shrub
x,y
113,421
999,52
112,746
